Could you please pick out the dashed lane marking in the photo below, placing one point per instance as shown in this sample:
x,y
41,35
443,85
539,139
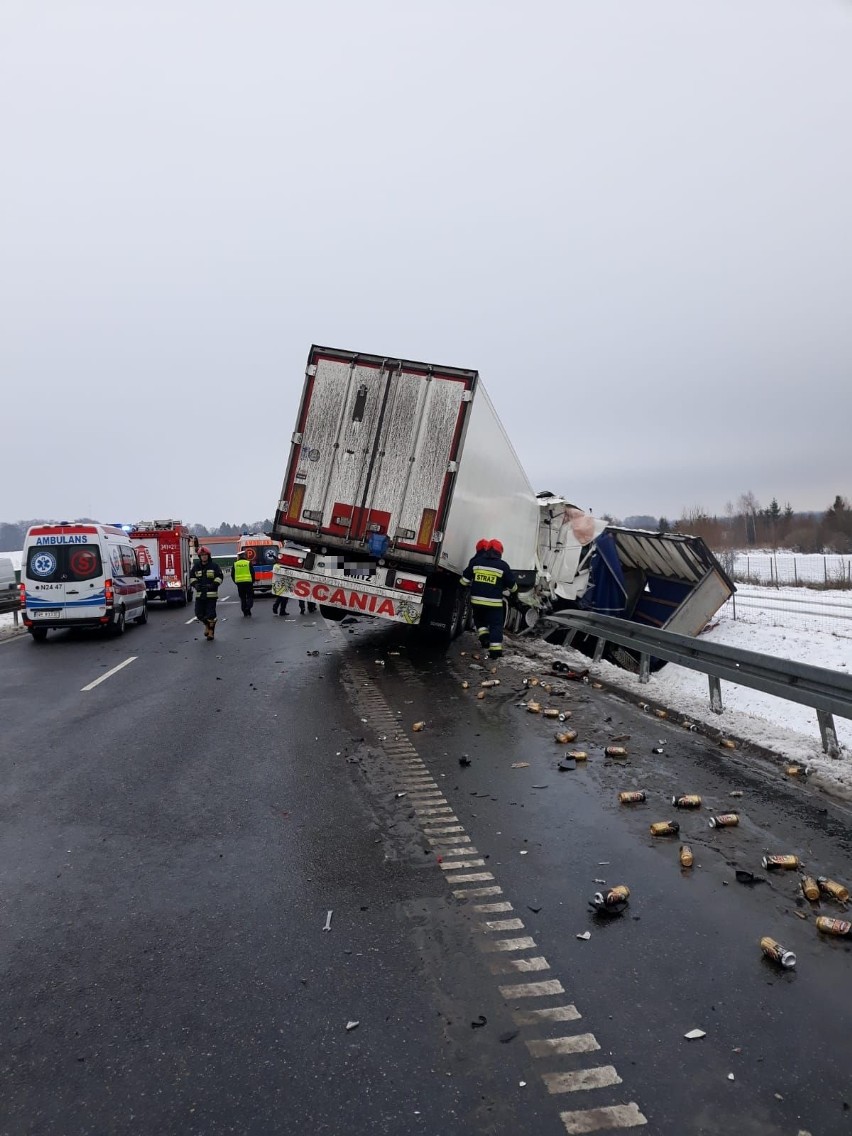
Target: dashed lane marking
x,y
581,1079
443,831
594,1119
554,1046
108,674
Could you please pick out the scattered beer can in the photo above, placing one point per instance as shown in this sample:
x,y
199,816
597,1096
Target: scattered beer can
x,y
550,712
564,715
773,950
533,707
531,681
724,820
793,770
612,898
833,926
565,737
833,888
578,755
480,695
490,682
810,888
687,801
779,863
686,857
465,685
665,828
727,743
661,713
418,726
616,751
632,797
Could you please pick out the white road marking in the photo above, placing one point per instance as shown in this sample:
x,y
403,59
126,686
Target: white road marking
x,y
533,989
189,621
451,819
552,1014
597,1078
504,965
472,878
489,908
446,841
522,943
556,1046
424,810
502,925
446,828
594,1119
108,674
470,893
454,866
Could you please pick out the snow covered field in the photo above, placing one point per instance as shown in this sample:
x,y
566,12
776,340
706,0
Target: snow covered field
x,y
783,727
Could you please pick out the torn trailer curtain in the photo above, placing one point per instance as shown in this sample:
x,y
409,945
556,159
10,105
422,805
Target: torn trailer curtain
x,y
607,592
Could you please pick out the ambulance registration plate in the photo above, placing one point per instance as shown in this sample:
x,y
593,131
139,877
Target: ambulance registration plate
x,y
47,614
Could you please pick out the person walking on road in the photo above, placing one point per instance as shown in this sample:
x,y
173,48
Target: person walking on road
x,y
242,574
489,578
206,577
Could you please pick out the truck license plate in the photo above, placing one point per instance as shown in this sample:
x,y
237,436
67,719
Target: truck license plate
x,y
46,614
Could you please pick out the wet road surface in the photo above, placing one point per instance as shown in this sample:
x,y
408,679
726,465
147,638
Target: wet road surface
x,y
172,839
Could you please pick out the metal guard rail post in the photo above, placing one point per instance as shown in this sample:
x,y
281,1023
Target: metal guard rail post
x,y
825,691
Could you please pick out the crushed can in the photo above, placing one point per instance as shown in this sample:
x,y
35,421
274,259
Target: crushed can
x,y
725,820
533,707
687,801
780,863
465,685
665,828
616,751
793,770
686,857
565,737
631,797
833,926
612,898
810,888
773,950
833,888
480,695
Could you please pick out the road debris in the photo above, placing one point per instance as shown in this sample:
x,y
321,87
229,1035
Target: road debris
x,y
479,1022
327,924
520,765
533,707
509,1035
566,765
833,926
724,820
687,801
781,863
586,935
832,888
658,749
686,857
735,793
464,760
612,902
577,755
465,685
550,712
481,695
748,878
727,743
661,713
398,795
631,797
490,682
615,751
774,951
665,828
565,737
793,770
810,888
534,910
351,1026
418,726
695,1033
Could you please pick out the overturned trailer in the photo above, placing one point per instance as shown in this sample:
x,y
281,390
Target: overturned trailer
x,y
664,580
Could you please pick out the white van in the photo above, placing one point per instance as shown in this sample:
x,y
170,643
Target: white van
x,y
80,575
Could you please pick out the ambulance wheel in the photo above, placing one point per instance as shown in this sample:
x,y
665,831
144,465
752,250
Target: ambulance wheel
x,y
117,625
143,618
39,634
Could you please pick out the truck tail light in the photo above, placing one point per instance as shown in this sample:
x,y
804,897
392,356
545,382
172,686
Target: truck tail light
x,y
410,585
109,593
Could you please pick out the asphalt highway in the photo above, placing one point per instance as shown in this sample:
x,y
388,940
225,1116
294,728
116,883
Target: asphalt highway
x,y
173,838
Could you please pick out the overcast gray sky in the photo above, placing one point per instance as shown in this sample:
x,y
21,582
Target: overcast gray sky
x,y
632,217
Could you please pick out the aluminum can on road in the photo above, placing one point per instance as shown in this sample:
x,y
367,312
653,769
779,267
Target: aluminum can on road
x,y
687,801
725,820
773,950
778,863
665,828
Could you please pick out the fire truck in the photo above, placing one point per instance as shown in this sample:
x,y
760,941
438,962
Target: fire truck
x,y
263,554
164,552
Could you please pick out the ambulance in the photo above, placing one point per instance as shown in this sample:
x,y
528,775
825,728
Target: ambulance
x,y
76,574
164,555
263,553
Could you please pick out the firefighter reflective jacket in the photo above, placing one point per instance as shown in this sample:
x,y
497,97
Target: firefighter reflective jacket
x,y
243,571
489,579
206,578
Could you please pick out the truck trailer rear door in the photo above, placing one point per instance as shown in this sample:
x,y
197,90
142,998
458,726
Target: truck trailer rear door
x,y
375,449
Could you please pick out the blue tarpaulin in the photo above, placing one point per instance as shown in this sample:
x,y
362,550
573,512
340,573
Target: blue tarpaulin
x,y
606,593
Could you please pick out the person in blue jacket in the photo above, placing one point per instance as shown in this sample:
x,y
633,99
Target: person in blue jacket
x,y
490,579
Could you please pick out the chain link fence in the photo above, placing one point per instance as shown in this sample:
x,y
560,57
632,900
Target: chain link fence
x,y
788,569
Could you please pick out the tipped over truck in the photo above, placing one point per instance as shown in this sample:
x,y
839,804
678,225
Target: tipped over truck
x,y
396,469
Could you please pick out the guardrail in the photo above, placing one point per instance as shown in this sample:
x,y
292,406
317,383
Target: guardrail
x,y
825,691
12,602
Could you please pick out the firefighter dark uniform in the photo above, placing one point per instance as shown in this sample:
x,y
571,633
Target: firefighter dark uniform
x,y
243,576
489,578
206,576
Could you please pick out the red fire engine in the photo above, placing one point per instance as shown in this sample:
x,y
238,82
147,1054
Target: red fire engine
x,y
164,552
